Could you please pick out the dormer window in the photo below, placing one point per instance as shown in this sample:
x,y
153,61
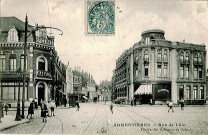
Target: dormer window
x,y
12,35
147,40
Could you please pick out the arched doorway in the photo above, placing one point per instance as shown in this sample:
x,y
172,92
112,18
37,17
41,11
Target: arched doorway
x,y
41,92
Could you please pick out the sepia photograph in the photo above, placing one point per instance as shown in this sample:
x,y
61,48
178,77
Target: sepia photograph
x,y
104,67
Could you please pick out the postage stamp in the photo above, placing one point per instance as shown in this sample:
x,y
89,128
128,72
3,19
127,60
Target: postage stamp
x,y
100,17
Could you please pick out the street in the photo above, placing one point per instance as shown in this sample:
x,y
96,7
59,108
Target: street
x,y
96,118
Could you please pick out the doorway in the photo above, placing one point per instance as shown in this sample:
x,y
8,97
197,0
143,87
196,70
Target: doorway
x,y
41,92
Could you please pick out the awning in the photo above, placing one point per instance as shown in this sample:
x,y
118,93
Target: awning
x,y
84,97
144,89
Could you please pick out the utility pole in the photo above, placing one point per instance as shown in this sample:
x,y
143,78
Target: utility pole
x,y
24,71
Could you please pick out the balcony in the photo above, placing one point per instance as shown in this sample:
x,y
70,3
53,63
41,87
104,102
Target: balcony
x,y
43,40
41,74
198,62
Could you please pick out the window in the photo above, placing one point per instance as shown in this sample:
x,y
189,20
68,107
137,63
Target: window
x,y
195,58
200,58
22,63
187,56
136,74
12,64
195,92
165,70
187,72
188,92
195,72
2,62
181,92
41,64
201,92
136,56
182,71
147,40
182,56
12,35
159,55
165,55
146,56
159,70
146,68
200,72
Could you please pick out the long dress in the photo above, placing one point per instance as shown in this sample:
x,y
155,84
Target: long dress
x,y
43,110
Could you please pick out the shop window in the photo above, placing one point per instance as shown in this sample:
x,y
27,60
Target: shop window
x,y
2,62
181,92
201,92
195,92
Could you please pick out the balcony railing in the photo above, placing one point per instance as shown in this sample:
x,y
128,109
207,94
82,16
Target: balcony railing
x,y
43,74
43,40
198,63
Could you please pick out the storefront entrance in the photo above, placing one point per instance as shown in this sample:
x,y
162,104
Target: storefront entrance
x,y
145,99
41,92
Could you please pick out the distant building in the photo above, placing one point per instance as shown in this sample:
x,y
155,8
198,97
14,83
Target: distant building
x,y
156,70
69,81
40,70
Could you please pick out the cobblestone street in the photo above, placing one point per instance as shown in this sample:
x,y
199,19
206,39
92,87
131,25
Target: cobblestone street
x,y
97,119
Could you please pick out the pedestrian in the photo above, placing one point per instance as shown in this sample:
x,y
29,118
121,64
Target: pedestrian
x,y
48,105
170,106
52,107
30,110
56,101
182,104
6,106
36,103
44,111
78,107
65,101
132,102
111,107
1,111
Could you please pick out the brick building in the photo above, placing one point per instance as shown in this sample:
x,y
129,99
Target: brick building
x,y
158,70
40,69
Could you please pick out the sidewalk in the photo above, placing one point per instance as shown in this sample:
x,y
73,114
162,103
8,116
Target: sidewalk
x,y
9,121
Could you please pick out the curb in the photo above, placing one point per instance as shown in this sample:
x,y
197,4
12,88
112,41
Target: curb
x,y
14,125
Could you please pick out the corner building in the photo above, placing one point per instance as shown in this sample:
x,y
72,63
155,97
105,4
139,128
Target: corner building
x,y
40,73
160,70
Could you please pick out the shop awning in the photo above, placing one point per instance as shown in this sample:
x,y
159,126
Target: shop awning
x,y
144,89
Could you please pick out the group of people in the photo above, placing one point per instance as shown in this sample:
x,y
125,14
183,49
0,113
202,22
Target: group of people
x,y
170,105
47,109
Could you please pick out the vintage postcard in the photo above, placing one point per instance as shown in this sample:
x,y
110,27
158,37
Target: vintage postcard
x,y
92,67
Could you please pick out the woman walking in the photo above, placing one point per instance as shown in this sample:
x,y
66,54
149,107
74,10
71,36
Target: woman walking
x,y
30,110
111,108
182,104
44,111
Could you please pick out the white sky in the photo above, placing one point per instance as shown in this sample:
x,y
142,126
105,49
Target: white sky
x,y
97,54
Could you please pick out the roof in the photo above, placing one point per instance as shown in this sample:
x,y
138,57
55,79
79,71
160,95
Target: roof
x,y
153,31
7,22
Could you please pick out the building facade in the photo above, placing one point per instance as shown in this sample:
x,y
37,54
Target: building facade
x,y
39,65
161,70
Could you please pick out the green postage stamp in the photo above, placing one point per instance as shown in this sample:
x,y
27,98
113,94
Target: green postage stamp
x,y
100,17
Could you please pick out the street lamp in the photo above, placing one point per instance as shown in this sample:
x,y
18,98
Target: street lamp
x,y
24,68
18,118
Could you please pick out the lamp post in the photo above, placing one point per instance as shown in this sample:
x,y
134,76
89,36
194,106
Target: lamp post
x,y
24,68
18,118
